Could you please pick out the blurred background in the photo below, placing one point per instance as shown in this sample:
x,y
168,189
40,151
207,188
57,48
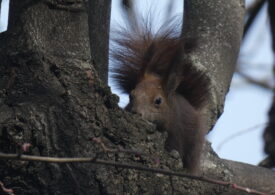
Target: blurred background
x,y
238,133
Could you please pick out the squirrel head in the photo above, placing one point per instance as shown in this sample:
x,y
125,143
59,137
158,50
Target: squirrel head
x,y
149,99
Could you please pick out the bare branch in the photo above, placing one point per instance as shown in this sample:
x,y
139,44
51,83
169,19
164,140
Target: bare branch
x,y
254,10
126,166
260,83
7,190
239,133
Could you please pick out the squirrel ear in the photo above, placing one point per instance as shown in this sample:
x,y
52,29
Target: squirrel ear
x,y
174,77
172,83
179,65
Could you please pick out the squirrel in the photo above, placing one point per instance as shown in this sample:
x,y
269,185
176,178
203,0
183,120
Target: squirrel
x,y
163,85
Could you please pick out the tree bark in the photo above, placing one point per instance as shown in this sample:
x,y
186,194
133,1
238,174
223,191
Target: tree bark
x,y
48,96
52,97
218,28
269,133
99,28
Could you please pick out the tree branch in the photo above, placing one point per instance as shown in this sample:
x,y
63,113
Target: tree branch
x,y
261,83
127,166
254,10
7,190
239,133
218,28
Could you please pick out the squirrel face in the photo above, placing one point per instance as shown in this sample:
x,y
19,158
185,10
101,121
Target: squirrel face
x,y
148,99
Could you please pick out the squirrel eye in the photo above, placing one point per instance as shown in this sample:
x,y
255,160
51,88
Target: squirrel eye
x,y
158,101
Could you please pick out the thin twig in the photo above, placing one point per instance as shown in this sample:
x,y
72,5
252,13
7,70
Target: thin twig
x,y
253,14
127,166
261,83
7,190
239,133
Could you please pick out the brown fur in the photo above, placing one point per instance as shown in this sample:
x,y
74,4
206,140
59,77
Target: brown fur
x,y
164,86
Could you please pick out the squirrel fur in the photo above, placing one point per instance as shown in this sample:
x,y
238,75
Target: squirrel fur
x,y
163,85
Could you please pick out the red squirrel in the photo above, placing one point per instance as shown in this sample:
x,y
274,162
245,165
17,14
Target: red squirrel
x,y
163,86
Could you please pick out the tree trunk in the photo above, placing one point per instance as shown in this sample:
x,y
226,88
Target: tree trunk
x,y
218,27
49,97
52,97
99,27
269,134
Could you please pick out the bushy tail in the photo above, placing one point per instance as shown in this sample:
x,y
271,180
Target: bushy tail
x,y
137,51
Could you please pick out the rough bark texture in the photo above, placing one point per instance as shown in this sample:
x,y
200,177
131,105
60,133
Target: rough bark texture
x,y
217,25
51,97
99,27
48,97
